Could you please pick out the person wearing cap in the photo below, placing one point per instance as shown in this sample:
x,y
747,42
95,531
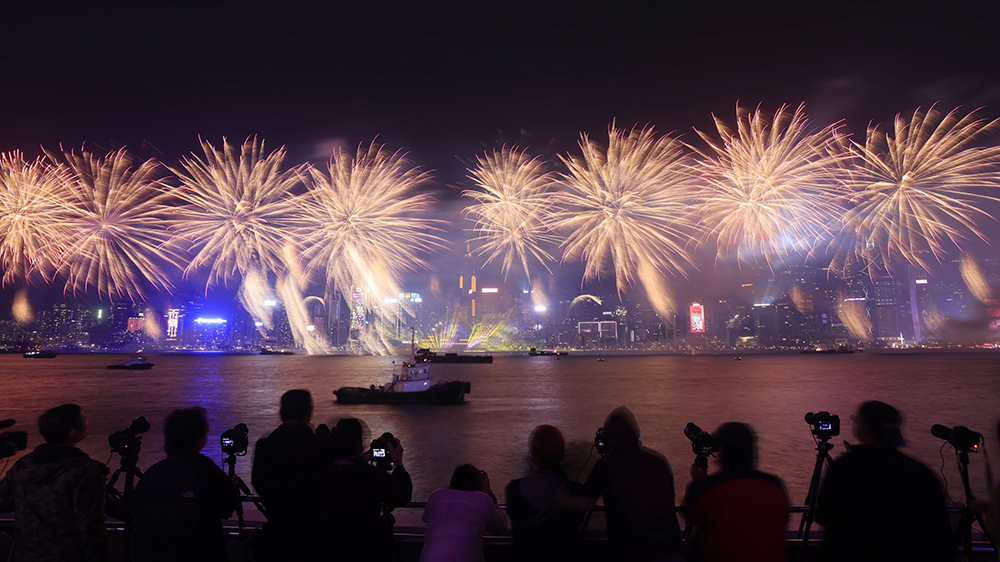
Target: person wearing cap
x,y
876,503
638,490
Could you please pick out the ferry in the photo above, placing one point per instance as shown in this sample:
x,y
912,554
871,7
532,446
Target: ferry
x,y
39,354
134,364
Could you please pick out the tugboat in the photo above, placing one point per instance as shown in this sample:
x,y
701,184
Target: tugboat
x,y
134,364
413,384
435,357
271,351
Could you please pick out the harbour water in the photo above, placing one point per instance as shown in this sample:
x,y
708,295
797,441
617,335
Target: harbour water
x,y
516,393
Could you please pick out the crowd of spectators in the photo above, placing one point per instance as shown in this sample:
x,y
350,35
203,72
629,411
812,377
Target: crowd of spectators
x,y
325,500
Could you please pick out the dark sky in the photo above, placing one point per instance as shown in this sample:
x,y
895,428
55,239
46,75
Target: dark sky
x,y
444,84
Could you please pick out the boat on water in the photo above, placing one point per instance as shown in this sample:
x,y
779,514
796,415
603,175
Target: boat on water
x,y
412,384
435,357
269,351
39,354
830,350
134,364
546,353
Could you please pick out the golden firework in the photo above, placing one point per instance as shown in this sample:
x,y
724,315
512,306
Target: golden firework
x,y
512,209
916,190
770,185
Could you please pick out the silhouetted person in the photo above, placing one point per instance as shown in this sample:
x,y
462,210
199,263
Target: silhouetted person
x,y
877,503
740,513
182,500
349,494
545,507
57,494
457,517
282,466
638,490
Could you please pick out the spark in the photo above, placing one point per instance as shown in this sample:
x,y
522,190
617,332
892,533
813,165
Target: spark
x,y
238,209
512,209
770,185
113,220
917,187
628,207
30,235
360,223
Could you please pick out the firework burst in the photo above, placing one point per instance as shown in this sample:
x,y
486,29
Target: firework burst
x,y
512,209
770,185
112,217
628,207
359,225
30,237
238,212
914,191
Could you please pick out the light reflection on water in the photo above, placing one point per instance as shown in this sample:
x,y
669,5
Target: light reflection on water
x,y
516,393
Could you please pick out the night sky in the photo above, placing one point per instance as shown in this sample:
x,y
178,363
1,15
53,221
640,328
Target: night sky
x,y
446,84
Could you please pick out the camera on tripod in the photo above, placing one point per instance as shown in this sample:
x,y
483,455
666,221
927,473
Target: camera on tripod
x,y
824,425
11,441
960,437
236,440
702,444
600,443
378,453
127,441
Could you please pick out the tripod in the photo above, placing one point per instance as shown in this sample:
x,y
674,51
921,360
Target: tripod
x,y
963,532
230,462
823,448
129,467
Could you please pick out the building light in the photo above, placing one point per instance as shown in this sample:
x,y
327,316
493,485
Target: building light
x,y
921,281
540,308
270,303
310,328
209,321
391,301
490,290
258,324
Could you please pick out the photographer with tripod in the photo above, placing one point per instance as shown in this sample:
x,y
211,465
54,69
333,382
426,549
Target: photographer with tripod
x,y
877,503
57,494
180,502
740,513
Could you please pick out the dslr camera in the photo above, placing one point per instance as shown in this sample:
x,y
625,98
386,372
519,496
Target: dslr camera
x,y
824,425
236,440
600,443
701,443
127,442
11,441
960,437
378,453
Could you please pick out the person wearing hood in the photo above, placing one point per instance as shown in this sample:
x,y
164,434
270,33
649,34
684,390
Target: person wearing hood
x,y
638,490
57,494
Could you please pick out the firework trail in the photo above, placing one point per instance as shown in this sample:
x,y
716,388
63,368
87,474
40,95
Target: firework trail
x,y
30,236
974,278
628,207
359,224
238,212
112,220
512,209
853,314
770,185
916,188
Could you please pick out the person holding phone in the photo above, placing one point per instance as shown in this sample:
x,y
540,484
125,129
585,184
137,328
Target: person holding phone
x,y
459,515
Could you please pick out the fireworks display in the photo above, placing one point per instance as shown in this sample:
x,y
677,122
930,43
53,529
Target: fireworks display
x,y
636,210
771,184
512,209
114,213
30,234
627,208
237,212
917,188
